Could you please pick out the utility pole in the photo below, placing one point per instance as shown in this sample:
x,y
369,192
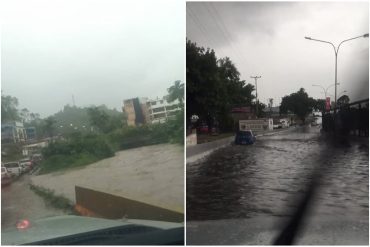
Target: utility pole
x,y
271,101
73,100
255,80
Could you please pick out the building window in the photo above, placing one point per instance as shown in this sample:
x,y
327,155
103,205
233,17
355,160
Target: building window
x,y
171,107
160,115
159,109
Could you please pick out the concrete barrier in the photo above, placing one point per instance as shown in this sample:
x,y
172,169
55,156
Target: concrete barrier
x,y
191,140
100,204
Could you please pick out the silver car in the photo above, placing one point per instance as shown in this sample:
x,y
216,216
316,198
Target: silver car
x,y
14,168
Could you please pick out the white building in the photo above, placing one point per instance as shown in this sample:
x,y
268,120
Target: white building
x,y
159,110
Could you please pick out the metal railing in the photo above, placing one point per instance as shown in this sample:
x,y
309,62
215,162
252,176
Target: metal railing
x,y
348,119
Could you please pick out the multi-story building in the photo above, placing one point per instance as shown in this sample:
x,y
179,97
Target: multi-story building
x,y
31,133
135,111
141,110
159,110
13,132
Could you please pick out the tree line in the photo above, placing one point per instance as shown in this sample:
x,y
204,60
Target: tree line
x,y
214,87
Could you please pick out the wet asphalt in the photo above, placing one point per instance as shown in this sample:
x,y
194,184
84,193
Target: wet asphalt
x,y
267,180
19,202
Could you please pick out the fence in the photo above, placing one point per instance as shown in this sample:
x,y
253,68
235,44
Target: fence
x,y
348,119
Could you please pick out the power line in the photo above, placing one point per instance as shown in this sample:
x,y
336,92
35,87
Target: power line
x,y
225,35
228,34
202,29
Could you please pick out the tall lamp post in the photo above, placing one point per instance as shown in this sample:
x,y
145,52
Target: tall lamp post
x,y
336,49
325,89
255,79
339,94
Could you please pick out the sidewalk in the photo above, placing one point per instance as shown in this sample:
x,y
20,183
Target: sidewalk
x,y
197,152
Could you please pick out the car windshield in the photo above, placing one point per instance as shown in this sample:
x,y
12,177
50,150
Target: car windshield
x,y
245,133
11,165
94,96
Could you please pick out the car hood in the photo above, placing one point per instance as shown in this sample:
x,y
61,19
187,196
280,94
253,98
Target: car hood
x,y
61,226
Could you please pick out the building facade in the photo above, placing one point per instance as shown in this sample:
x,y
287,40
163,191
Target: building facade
x,y
144,111
135,110
243,113
13,132
159,110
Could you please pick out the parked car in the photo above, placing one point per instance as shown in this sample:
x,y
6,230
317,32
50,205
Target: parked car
x,y
278,126
27,163
5,176
14,168
203,129
25,168
36,159
244,137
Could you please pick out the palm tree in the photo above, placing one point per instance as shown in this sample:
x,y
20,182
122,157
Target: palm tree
x,y
176,92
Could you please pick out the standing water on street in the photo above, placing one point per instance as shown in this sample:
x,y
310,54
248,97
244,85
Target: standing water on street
x,y
261,185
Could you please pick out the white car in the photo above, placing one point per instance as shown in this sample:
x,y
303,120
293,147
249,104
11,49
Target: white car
x,y
24,167
27,164
5,176
14,168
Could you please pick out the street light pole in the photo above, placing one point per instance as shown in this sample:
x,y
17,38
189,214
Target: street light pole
x,y
339,94
325,90
255,79
336,50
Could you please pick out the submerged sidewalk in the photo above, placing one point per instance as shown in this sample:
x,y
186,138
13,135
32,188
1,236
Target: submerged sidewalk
x,y
199,151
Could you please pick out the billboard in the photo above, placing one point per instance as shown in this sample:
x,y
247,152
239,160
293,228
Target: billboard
x,y
256,124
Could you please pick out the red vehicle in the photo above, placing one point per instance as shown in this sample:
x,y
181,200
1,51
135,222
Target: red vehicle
x,y
203,129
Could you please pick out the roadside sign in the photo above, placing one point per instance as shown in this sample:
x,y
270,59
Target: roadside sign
x,y
327,105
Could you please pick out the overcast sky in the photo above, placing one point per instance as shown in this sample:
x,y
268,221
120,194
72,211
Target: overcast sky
x,y
267,39
100,51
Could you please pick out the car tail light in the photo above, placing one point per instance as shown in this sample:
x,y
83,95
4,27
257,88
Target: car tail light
x,y
23,224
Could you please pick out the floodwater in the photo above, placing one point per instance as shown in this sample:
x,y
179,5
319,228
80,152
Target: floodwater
x,y
268,179
19,202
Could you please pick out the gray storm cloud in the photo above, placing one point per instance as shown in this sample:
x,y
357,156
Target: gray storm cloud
x,y
267,39
102,52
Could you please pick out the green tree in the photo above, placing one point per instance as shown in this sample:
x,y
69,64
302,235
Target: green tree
x,y
213,86
261,108
98,119
343,100
176,92
299,103
320,105
49,126
9,111
25,115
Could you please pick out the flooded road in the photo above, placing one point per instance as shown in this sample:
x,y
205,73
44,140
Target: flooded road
x,y
18,202
266,180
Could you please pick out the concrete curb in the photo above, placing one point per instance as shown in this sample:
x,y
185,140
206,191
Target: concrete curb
x,y
220,144
202,155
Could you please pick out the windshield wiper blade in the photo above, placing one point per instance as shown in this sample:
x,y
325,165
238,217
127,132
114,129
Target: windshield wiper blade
x,y
288,235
